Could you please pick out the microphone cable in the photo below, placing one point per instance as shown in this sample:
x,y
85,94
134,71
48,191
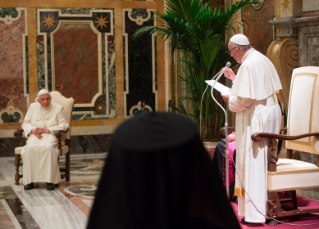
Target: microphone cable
x,y
201,102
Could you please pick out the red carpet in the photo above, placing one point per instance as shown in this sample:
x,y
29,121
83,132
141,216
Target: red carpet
x,y
310,221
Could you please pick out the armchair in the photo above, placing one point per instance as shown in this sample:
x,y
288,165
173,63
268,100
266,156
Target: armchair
x,y
63,138
286,175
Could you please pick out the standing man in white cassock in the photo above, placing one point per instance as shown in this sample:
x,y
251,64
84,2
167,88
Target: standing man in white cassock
x,y
40,154
253,99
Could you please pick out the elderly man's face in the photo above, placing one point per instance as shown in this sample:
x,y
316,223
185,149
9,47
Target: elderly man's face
x,y
235,52
45,100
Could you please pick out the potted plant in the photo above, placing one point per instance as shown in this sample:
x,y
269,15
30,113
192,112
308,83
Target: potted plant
x,y
196,29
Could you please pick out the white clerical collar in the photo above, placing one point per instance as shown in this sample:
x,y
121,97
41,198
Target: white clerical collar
x,y
246,54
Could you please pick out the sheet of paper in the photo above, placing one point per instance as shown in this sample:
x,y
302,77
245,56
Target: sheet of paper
x,y
219,87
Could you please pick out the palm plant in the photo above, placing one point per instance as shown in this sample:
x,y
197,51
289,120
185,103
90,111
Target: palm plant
x,y
195,28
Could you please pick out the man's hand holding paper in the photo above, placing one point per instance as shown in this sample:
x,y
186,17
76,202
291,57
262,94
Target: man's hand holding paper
x,y
225,96
218,86
225,91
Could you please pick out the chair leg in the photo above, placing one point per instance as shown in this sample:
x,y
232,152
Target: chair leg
x,y
17,164
274,205
67,167
292,194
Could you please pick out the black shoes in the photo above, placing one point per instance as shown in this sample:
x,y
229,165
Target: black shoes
x,y
29,186
50,186
243,221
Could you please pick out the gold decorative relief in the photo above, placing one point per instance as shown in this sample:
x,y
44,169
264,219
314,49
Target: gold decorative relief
x,y
284,55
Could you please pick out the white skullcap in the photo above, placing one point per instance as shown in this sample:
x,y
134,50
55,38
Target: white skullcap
x,y
239,39
43,92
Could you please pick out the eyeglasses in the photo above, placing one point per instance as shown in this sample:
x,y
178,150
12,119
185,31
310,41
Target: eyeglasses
x,y
229,51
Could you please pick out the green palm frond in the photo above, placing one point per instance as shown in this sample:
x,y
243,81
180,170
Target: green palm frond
x,y
197,30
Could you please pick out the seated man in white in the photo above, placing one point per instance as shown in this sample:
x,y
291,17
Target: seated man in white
x,y
40,154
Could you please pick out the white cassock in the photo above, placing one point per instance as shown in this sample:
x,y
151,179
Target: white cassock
x,y
257,110
40,156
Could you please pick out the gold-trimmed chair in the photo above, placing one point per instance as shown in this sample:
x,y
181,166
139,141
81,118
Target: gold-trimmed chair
x,y
286,175
63,138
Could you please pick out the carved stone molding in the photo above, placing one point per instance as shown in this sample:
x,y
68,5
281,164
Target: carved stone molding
x,y
284,55
287,27
307,21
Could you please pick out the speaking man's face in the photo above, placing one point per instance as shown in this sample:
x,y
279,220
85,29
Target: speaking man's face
x,y
45,100
235,52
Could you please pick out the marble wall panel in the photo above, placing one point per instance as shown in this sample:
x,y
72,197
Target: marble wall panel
x,y
76,56
256,25
7,146
140,79
76,62
88,144
13,71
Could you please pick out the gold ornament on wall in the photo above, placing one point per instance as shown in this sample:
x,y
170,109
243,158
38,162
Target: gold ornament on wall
x,y
284,55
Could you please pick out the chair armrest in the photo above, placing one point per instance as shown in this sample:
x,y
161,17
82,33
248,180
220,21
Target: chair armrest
x,y
256,137
63,131
285,129
232,129
18,133
60,132
59,137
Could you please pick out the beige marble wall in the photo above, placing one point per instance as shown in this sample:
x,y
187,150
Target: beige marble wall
x,y
310,5
91,130
290,8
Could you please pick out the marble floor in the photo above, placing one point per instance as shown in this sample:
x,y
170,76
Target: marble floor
x,y
68,206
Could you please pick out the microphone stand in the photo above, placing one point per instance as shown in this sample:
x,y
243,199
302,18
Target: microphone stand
x,y
226,134
201,106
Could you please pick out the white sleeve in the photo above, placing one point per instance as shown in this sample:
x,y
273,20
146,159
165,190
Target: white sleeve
x,y
62,123
239,104
26,125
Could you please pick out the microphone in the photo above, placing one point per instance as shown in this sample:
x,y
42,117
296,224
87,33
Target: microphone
x,y
221,72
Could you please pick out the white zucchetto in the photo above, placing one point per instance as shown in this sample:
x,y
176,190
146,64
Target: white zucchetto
x,y
239,39
43,92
